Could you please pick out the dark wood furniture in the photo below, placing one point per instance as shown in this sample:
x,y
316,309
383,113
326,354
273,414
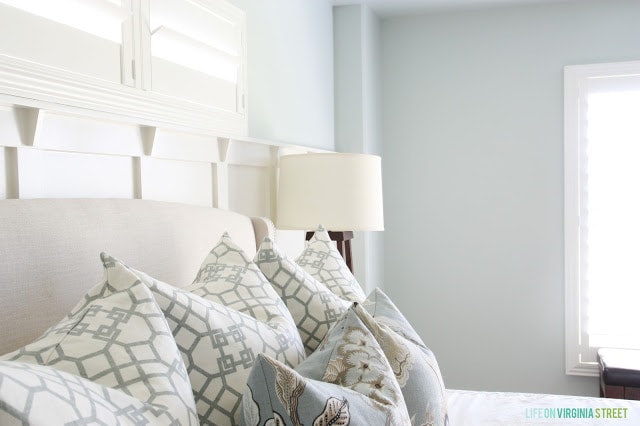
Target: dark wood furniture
x,y
619,373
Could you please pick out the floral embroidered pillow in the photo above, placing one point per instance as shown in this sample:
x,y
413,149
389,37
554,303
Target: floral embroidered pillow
x,y
347,380
416,371
382,308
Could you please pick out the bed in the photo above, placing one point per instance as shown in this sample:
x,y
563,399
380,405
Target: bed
x,y
120,311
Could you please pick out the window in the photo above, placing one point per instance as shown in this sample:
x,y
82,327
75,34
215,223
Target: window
x,y
184,58
602,207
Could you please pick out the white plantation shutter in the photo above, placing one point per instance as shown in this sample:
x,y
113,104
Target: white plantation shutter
x,y
59,33
602,206
202,46
169,63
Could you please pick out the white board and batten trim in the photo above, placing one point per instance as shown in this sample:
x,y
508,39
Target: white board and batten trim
x,y
69,132
72,155
49,153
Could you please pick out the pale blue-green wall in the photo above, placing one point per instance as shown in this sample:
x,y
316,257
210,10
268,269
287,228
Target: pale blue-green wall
x,y
290,71
357,114
473,154
471,138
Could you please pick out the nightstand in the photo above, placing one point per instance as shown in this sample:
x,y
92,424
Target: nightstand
x,y
619,373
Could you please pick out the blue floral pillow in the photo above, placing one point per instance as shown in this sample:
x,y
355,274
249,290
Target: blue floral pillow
x,y
347,380
416,371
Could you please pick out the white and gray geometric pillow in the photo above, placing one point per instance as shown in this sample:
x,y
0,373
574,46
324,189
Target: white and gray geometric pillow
x,y
229,277
219,346
324,262
313,306
416,371
116,337
346,381
32,394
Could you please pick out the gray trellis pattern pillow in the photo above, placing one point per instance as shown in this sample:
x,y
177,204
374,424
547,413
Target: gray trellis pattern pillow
x,y
313,306
229,277
119,340
219,346
323,261
346,381
41,395
416,371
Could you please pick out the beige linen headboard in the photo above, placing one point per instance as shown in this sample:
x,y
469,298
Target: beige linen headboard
x,y
49,251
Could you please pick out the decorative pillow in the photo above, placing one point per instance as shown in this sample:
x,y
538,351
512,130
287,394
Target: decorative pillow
x,y
116,337
346,381
380,306
229,277
324,262
313,306
219,346
416,371
42,395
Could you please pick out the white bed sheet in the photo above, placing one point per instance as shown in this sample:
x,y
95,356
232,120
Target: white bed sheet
x,y
476,408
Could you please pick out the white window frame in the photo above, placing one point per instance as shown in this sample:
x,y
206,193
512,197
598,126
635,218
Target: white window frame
x,y
580,358
36,85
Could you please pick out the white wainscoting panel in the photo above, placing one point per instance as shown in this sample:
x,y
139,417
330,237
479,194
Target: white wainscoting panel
x,y
4,185
53,174
243,152
8,127
8,172
187,182
185,146
81,134
244,180
57,152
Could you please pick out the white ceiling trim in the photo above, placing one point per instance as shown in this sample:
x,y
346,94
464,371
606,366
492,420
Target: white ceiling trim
x,y
386,8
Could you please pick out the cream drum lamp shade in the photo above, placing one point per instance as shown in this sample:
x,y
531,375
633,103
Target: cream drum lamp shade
x,y
343,192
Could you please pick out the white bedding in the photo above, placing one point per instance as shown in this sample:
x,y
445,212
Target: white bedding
x,y
507,408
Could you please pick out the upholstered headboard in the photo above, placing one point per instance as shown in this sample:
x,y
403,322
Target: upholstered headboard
x,y
49,251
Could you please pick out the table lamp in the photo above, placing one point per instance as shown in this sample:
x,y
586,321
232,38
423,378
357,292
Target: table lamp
x,y
342,192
